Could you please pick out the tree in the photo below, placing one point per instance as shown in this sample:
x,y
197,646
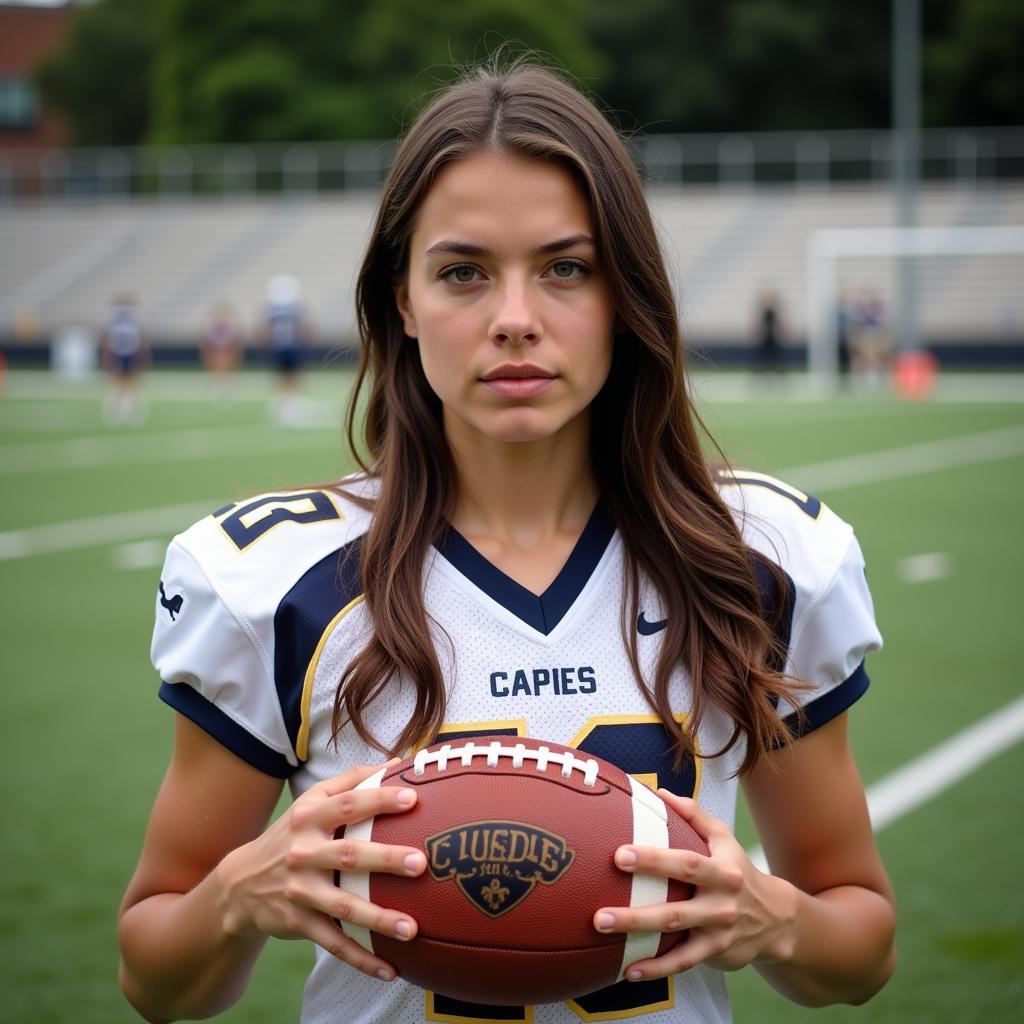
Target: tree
x,y
181,71
745,65
279,70
683,65
974,63
100,78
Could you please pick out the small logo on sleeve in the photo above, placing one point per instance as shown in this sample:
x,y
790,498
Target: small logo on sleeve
x,y
497,864
173,603
645,628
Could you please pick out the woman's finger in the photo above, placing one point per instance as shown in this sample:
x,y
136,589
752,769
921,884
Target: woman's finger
x,y
350,806
683,865
704,912
325,933
351,778
704,824
357,855
346,907
697,948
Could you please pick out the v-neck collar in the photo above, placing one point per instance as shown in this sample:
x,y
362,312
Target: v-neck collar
x,y
541,611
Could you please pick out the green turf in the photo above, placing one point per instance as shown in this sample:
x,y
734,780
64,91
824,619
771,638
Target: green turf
x,y
955,864
87,740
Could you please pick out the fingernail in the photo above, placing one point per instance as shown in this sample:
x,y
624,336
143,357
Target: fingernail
x,y
605,920
634,975
626,859
403,930
384,975
405,798
412,862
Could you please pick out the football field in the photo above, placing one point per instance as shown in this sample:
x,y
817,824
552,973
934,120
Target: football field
x,y
935,490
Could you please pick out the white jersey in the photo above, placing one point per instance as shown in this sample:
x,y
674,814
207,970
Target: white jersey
x,y
284,326
124,333
256,622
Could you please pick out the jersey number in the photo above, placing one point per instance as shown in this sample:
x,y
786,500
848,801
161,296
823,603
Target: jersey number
x,y
639,745
249,521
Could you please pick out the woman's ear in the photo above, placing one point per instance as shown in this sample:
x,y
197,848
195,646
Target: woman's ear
x,y
404,309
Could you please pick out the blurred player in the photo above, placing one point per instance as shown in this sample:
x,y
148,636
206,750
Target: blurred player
x,y
221,349
768,334
286,335
124,352
870,342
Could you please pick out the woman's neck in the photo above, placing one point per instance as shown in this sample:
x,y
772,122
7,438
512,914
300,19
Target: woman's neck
x,y
524,505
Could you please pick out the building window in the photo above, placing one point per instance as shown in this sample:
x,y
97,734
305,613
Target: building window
x,y
19,103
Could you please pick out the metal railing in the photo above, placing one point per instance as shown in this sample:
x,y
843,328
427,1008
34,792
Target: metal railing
x,y
962,155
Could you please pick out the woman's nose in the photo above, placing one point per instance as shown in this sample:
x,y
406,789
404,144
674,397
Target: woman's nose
x,y
516,320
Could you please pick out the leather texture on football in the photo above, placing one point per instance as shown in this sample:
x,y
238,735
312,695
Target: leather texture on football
x,y
520,836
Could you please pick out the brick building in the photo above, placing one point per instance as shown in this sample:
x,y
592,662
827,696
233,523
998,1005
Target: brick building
x,y
27,34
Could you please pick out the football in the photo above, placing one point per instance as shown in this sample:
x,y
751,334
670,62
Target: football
x,y
520,837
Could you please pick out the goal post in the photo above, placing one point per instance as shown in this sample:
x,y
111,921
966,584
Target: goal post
x,y
826,247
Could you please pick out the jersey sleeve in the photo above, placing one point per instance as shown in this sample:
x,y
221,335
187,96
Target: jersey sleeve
x,y
833,631
213,669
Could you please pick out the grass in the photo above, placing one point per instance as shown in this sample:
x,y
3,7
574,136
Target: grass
x,y
86,739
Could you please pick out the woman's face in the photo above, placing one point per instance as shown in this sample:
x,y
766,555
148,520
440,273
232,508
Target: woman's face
x,y
507,299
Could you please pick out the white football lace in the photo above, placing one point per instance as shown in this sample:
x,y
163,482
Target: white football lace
x,y
543,756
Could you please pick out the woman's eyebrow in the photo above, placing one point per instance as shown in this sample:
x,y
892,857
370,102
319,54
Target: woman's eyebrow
x,y
459,248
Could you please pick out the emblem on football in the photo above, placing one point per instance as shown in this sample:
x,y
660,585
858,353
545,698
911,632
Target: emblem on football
x,y
497,864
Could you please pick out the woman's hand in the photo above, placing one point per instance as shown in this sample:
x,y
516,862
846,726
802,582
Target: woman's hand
x,y
282,883
737,914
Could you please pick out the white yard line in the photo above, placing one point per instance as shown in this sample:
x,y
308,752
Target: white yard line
x,y
936,770
928,775
167,446
251,385
47,417
714,386
925,568
929,457
97,530
912,460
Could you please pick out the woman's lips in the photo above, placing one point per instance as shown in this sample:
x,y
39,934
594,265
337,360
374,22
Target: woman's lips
x,y
518,387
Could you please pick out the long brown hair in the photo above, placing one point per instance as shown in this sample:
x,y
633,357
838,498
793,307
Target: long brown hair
x,y
646,450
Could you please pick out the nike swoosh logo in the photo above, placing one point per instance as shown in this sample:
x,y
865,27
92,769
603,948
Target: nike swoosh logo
x,y
645,628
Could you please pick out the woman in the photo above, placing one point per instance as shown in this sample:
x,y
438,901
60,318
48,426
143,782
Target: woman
x,y
536,545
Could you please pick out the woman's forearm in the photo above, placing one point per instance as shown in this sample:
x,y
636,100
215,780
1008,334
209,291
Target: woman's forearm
x,y
840,948
180,958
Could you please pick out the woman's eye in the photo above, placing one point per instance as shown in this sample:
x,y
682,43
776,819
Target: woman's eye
x,y
567,270
462,274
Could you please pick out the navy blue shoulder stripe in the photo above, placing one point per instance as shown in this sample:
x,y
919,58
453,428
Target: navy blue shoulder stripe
x,y
830,705
770,600
806,502
194,706
301,618
543,612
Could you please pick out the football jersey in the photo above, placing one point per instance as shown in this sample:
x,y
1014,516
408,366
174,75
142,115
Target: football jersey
x,y
124,333
284,326
260,610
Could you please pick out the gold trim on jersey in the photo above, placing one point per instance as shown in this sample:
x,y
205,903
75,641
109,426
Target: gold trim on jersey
x,y
302,740
742,476
519,724
639,1011
267,508
648,778
450,1018
812,507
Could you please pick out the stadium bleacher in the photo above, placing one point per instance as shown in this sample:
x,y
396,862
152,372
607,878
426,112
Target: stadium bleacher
x,y
63,262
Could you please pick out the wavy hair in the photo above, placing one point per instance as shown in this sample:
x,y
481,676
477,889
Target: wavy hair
x,y
646,437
